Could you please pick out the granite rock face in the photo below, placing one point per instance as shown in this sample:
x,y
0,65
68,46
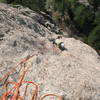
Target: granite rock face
x,y
73,74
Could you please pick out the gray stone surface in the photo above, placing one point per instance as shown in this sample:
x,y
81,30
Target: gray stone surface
x,y
73,74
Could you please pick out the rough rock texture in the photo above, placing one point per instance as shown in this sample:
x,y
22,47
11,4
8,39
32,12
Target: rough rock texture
x,y
74,74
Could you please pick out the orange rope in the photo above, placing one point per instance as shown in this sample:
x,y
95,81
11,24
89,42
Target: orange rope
x,y
54,95
13,69
13,93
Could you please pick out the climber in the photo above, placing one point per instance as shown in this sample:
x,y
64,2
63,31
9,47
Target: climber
x,y
58,42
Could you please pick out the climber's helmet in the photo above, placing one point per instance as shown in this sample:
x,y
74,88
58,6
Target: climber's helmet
x,y
61,45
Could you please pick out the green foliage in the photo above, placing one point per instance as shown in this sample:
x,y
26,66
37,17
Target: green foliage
x,y
57,5
86,20
71,3
49,5
32,4
3,1
83,18
97,18
94,3
94,38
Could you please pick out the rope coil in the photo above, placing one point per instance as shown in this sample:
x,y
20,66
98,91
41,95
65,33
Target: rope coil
x,y
13,93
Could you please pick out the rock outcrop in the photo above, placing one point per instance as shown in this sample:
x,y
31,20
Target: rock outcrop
x,y
73,74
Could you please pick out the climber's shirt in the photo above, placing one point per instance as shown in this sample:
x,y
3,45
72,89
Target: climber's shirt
x,y
57,42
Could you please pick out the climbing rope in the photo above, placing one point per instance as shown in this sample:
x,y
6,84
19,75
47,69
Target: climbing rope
x,y
14,92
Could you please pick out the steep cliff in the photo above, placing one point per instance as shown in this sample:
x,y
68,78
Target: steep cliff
x,y
73,74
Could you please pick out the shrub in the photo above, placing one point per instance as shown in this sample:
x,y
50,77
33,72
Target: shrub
x,y
94,38
97,18
83,18
3,1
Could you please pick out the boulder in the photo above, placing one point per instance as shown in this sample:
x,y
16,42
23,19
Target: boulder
x,y
73,74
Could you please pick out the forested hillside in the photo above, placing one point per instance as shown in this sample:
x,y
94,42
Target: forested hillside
x,y
81,16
